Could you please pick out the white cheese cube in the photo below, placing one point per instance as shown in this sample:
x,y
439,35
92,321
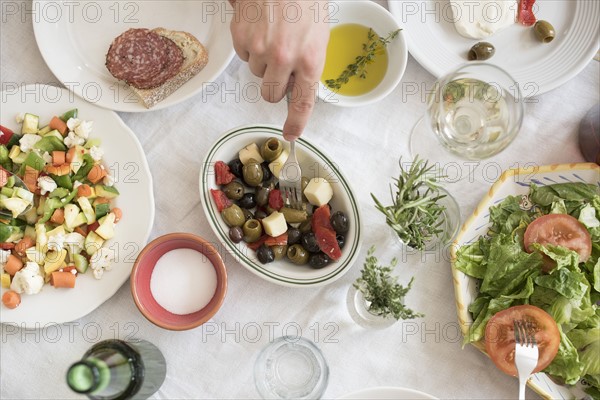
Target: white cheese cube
x,y
276,164
274,224
318,191
248,152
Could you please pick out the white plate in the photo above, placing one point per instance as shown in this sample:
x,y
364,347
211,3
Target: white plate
x,y
388,393
513,183
125,159
537,67
74,38
313,163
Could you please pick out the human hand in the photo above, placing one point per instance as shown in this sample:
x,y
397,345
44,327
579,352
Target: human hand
x,y
284,42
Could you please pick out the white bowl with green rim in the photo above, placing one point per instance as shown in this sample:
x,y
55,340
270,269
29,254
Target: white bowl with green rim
x,y
314,163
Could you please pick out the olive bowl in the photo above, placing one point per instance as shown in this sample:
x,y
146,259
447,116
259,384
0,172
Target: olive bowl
x,y
314,163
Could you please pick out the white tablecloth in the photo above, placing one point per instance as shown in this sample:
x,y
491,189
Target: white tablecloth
x,y
216,361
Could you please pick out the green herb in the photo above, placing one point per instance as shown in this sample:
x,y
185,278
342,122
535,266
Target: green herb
x,y
380,289
375,45
415,212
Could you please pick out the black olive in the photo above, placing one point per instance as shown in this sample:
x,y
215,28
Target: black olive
x,y
309,242
341,239
339,222
319,260
235,167
260,214
247,201
265,254
294,235
236,234
267,175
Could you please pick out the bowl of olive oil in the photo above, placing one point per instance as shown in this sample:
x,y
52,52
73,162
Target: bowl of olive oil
x,y
366,55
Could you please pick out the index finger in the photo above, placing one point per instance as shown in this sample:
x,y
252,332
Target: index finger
x,y
301,102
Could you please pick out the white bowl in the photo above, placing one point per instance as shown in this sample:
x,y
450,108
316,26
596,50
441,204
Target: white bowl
x,y
368,13
313,163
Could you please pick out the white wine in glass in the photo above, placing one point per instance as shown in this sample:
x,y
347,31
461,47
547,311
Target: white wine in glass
x,y
474,112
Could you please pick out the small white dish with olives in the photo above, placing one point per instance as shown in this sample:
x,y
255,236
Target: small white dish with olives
x,y
312,246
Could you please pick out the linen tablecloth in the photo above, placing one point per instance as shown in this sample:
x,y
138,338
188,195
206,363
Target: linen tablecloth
x,y
216,360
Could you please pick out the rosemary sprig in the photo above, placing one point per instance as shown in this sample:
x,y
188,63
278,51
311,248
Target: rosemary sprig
x,y
375,45
384,295
414,213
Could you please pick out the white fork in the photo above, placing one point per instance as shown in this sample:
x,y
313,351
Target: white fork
x,y
526,352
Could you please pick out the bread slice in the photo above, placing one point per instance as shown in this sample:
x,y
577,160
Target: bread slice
x,y
195,58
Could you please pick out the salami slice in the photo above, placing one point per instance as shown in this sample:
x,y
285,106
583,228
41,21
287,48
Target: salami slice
x,y
143,58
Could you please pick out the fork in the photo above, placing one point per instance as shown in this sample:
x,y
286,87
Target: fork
x,y
290,180
526,352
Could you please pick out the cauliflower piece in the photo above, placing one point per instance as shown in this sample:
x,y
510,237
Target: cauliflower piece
x,y
19,118
101,260
72,140
56,242
76,184
108,180
96,153
46,184
72,123
83,129
3,259
28,280
28,140
74,242
47,157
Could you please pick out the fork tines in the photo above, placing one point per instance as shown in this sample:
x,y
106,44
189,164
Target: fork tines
x,y
524,333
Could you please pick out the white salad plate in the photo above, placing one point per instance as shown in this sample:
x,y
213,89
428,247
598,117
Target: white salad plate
x,y
74,38
126,162
387,393
537,67
514,182
314,163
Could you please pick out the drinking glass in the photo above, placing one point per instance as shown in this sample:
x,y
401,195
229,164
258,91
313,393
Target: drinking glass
x,y
474,112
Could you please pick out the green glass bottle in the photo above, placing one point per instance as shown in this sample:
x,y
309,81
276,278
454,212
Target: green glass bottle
x,y
114,369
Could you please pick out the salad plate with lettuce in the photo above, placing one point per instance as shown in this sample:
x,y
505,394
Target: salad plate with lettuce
x,y
531,250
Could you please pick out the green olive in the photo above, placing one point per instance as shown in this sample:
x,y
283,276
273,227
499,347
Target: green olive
x,y
293,216
305,226
544,31
262,195
271,149
253,173
248,214
279,251
481,51
233,216
252,231
234,190
297,254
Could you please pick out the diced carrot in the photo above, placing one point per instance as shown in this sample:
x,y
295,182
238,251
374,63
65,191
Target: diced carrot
x,y
58,217
118,213
71,154
96,174
101,200
58,158
62,279
23,245
3,177
59,170
7,246
30,178
11,299
59,125
84,190
13,265
81,230
70,268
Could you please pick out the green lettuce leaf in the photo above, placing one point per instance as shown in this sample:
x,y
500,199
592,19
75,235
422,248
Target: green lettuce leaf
x,y
566,364
578,192
507,216
472,259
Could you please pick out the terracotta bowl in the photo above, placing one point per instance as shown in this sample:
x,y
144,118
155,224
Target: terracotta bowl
x,y
142,272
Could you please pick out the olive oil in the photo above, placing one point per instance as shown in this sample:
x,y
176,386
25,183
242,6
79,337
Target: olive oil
x,y
345,44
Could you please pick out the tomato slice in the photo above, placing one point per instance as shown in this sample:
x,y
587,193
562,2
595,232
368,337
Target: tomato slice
x,y
559,230
500,337
324,232
275,199
280,240
221,200
526,16
5,134
223,174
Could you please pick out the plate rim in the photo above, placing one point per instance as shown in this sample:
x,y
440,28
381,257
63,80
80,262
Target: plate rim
x,y
234,250
483,206
437,70
369,392
149,192
118,106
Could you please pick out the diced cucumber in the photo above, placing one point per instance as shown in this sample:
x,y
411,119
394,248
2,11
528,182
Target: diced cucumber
x,y
23,194
44,130
92,243
50,143
20,159
101,209
106,230
41,204
87,209
5,280
3,154
6,191
81,263
63,181
71,212
14,152
30,232
30,124
31,216
87,163
59,230
59,192
69,114
55,133
109,192
77,158
10,233
11,181
14,140
93,142
54,260
34,161
78,221
15,205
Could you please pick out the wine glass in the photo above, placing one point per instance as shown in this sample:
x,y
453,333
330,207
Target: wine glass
x,y
474,112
